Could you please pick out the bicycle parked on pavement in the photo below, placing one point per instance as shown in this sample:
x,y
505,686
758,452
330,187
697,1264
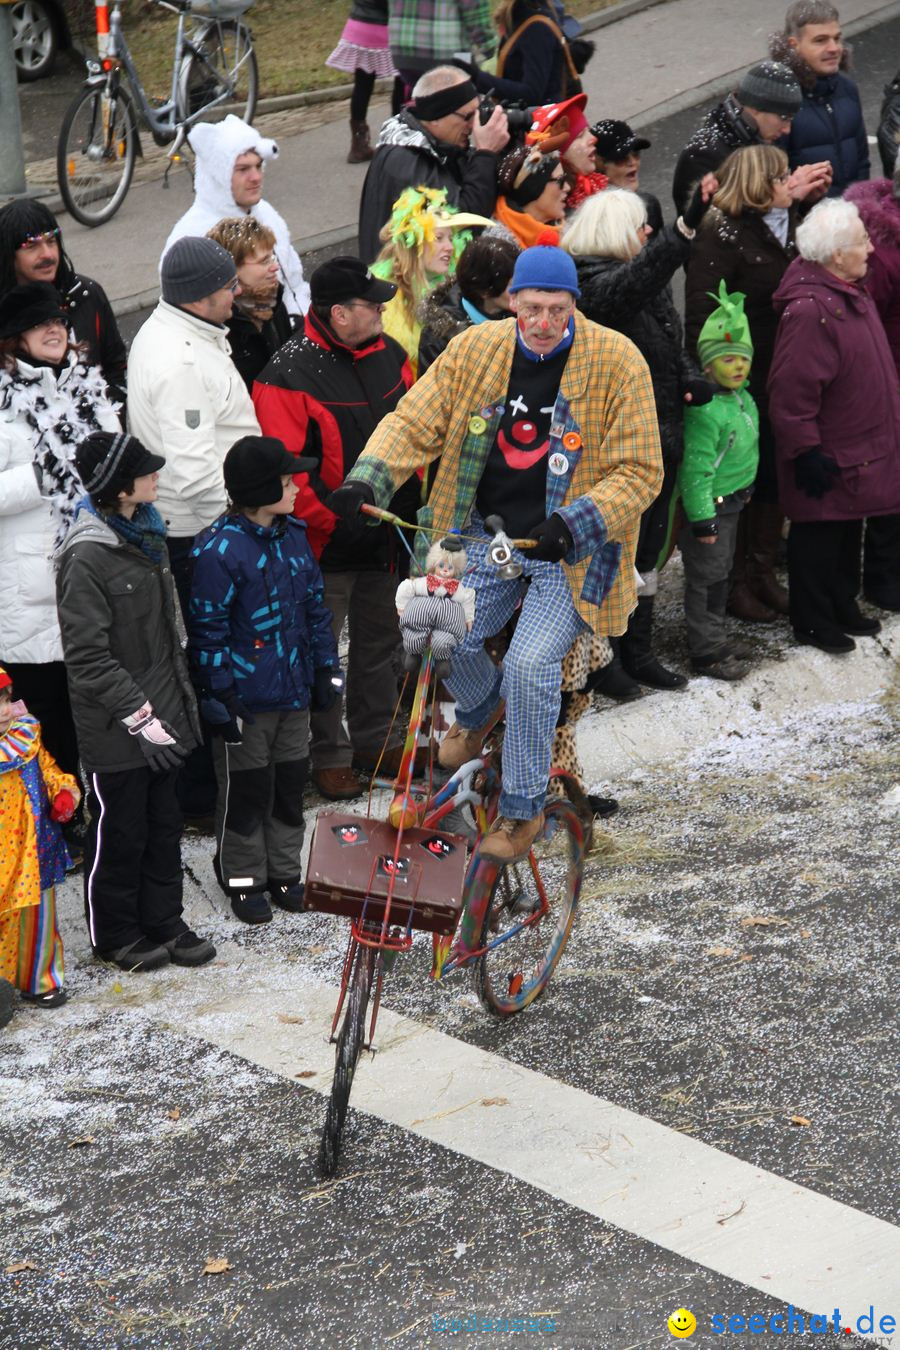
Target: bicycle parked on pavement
x,y
508,924
214,72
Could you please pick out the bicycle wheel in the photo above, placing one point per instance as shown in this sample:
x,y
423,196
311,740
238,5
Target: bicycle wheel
x,y
95,154
529,913
223,73
349,1044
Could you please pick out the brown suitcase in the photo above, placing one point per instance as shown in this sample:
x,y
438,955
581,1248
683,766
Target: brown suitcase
x,y
351,862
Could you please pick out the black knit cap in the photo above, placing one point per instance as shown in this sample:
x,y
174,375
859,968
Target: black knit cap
x,y
194,268
253,469
770,87
28,305
108,461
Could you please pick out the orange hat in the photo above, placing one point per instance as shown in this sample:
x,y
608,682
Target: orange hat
x,y
556,125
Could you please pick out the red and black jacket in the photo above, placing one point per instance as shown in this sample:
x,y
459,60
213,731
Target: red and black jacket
x,y
324,400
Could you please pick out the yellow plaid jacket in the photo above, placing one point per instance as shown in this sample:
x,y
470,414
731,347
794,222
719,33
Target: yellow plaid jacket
x,y
604,430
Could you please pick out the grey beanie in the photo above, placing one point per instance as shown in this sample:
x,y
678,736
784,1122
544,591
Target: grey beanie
x,y
194,268
770,87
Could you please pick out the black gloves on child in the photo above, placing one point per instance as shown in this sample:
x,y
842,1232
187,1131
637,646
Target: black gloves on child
x,y
224,713
328,685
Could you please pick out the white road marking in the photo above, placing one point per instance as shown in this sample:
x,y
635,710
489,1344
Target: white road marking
x,y
694,1200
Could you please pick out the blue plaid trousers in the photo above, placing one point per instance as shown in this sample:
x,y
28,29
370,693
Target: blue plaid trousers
x,y
530,677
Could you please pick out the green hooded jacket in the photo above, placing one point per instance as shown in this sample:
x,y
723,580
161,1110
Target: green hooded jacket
x,y
721,451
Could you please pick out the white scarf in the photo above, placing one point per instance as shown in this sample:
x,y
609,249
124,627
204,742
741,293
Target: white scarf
x,y
81,392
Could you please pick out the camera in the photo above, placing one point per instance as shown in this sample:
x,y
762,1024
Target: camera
x,y
518,115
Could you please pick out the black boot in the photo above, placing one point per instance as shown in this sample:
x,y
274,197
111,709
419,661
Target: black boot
x,y
637,651
612,680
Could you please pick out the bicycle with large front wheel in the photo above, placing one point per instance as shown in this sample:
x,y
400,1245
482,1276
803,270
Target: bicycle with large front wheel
x,y
214,72
507,924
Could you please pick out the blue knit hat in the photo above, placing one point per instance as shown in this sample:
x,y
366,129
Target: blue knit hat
x,y
544,268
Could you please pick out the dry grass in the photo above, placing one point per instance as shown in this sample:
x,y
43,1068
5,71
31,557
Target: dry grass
x,y
292,40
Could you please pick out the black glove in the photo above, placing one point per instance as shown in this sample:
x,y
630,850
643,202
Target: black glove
x,y
554,540
700,390
224,711
815,472
328,685
696,209
346,501
160,757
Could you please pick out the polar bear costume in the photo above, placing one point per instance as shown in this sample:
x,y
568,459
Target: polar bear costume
x,y
216,146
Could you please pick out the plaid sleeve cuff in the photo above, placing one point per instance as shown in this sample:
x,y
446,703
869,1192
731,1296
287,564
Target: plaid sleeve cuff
x,y
377,475
586,526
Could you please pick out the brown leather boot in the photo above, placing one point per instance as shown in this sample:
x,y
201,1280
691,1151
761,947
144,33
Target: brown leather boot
x,y
742,602
509,841
764,536
459,746
360,145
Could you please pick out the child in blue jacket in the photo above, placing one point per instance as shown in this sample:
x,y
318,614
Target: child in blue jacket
x,y
262,653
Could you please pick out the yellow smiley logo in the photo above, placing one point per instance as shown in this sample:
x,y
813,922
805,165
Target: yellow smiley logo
x,y
682,1323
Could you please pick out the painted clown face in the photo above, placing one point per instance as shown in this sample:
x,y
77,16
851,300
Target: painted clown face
x,y
730,371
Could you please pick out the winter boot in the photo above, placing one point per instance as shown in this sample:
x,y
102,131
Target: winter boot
x,y
360,145
764,524
742,602
612,680
636,651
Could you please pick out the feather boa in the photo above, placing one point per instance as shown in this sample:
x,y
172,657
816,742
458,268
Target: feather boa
x,y
59,425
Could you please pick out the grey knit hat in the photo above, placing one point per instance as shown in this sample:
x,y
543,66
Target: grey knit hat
x,y
193,268
770,87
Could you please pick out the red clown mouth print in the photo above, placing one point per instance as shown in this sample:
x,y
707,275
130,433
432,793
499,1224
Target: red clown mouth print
x,y
517,448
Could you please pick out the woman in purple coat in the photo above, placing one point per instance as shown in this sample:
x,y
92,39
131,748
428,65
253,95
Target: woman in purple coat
x,y
835,408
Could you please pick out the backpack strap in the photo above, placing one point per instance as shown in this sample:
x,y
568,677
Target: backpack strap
x,y
571,81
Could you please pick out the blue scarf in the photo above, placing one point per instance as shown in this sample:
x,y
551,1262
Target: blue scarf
x,y
146,530
563,345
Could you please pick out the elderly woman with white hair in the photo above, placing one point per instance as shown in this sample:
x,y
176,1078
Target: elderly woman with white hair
x,y
835,409
624,271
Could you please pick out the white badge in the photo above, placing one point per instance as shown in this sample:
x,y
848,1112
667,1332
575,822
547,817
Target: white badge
x,y
558,464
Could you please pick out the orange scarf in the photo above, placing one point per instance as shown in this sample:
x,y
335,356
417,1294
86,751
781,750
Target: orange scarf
x,y
525,228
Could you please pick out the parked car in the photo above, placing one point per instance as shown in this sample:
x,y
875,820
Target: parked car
x,y
40,31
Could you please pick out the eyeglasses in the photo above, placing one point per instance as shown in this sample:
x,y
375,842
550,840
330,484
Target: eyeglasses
x,y
33,241
366,304
468,118
233,286
267,261
556,313
559,179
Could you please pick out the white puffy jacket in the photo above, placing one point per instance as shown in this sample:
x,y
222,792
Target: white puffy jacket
x,y
187,401
29,629
217,145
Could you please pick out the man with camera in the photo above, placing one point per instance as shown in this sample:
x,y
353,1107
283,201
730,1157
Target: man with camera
x,y
438,142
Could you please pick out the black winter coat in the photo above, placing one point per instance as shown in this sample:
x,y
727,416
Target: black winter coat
x,y
409,156
92,321
830,126
443,317
121,631
533,71
252,348
723,129
742,251
635,299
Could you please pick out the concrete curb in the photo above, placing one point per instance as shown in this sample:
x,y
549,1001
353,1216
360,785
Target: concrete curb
x,y
721,85
619,741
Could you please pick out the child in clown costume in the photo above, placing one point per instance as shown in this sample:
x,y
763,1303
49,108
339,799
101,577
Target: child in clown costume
x,y
34,796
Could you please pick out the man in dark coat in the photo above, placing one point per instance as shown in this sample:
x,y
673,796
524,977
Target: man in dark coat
x,y
438,142
758,112
31,249
829,124
323,394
